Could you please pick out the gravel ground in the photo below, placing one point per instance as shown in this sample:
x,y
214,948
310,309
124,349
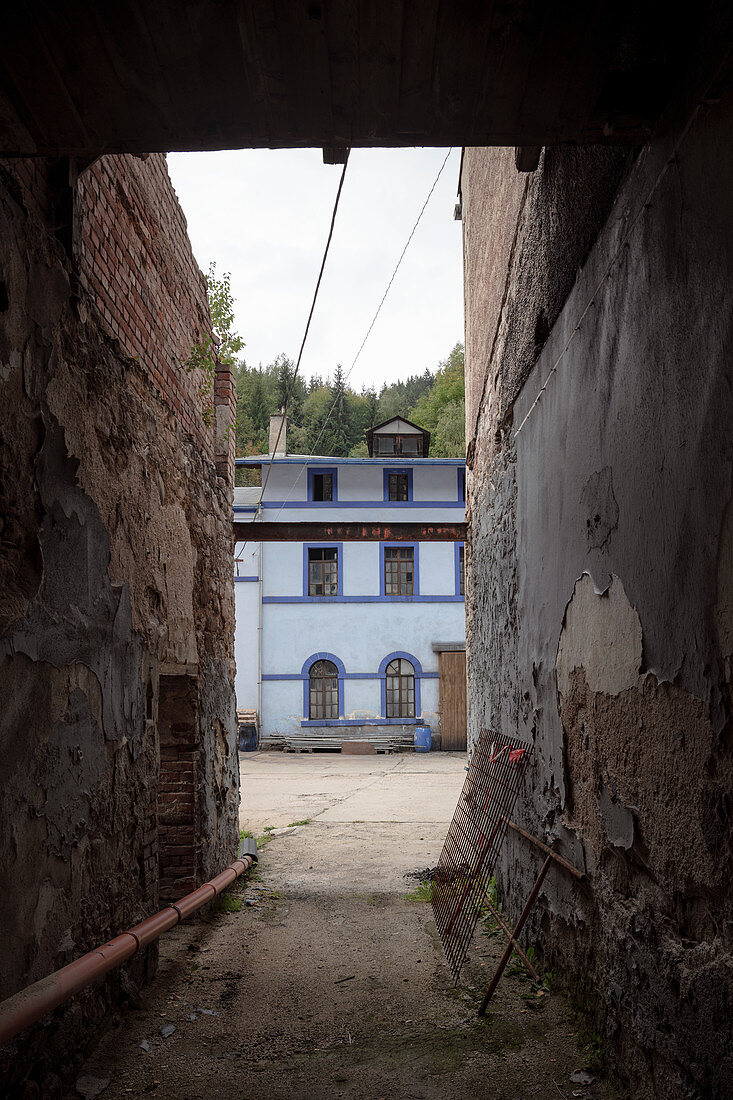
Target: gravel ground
x,y
329,980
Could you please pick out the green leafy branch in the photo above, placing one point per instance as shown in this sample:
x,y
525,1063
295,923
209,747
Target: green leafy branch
x,y
219,348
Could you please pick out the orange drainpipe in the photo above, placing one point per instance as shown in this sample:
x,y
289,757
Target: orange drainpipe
x,y
29,1005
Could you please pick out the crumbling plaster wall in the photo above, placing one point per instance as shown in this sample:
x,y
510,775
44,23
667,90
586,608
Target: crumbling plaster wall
x,y
599,585
115,570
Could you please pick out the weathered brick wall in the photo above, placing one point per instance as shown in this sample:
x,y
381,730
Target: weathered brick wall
x,y
115,576
136,263
176,789
225,415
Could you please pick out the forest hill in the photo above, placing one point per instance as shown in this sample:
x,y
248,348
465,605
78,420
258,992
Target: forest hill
x,y
433,400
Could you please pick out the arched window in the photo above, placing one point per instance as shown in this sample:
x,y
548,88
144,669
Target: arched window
x,y
323,694
400,689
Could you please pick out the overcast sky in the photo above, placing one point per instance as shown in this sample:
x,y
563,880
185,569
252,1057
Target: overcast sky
x,y
264,216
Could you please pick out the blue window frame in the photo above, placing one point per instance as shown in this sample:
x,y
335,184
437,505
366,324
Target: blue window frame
x,y
307,547
400,487
461,472
414,546
323,480
384,665
459,551
305,672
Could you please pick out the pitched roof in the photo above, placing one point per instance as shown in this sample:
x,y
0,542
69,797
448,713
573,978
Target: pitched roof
x,y
398,421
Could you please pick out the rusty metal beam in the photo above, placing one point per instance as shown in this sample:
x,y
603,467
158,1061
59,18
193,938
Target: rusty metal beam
x,y
320,531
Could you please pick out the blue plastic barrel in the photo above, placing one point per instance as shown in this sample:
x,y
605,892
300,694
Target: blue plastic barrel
x,y
422,738
247,738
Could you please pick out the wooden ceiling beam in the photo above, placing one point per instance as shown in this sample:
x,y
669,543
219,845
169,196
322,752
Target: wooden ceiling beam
x,y
128,76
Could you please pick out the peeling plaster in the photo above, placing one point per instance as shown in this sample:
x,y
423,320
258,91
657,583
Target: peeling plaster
x,y
600,587
115,537
601,634
78,615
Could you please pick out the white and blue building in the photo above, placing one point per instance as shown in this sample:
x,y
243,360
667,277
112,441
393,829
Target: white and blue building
x,y
341,641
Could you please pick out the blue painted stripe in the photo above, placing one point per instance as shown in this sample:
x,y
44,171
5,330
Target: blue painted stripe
x,y
318,460
239,579
361,721
363,600
344,505
458,546
342,676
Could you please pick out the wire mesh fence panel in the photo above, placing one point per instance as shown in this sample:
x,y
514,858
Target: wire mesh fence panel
x,y
474,840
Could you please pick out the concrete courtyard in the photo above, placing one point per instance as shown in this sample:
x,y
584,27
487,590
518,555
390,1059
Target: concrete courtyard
x,y
374,817
322,976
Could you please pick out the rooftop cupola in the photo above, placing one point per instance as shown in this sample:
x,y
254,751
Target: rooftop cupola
x,y
398,438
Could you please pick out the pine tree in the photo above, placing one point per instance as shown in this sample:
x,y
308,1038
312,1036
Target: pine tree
x,y
435,401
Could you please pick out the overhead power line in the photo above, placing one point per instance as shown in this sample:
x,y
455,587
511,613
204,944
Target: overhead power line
x,y
305,334
314,451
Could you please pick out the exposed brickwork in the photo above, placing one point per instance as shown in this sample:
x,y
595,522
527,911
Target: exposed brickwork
x,y
225,409
135,260
149,857
176,799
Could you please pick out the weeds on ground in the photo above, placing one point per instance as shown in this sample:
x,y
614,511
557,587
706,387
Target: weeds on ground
x,y
423,892
492,928
594,1054
267,832
516,965
231,900
227,902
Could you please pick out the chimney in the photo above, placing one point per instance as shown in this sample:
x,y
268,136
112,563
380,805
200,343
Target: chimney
x,y
275,421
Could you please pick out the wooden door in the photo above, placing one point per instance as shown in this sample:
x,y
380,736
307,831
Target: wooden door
x,y
452,705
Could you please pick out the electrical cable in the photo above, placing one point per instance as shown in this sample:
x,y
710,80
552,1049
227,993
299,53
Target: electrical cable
x,y
305,335
368,333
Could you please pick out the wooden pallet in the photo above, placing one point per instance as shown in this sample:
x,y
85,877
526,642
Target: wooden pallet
x,y
296,742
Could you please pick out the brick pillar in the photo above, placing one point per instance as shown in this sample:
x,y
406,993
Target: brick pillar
x,y
177,727
150,854
225,413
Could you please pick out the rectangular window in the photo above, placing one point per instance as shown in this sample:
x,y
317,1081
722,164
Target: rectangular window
x,y
411,445
399,571
399,486
461,571
323,487
323,571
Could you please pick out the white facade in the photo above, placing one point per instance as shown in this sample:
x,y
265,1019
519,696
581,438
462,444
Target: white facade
x,y
282,629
